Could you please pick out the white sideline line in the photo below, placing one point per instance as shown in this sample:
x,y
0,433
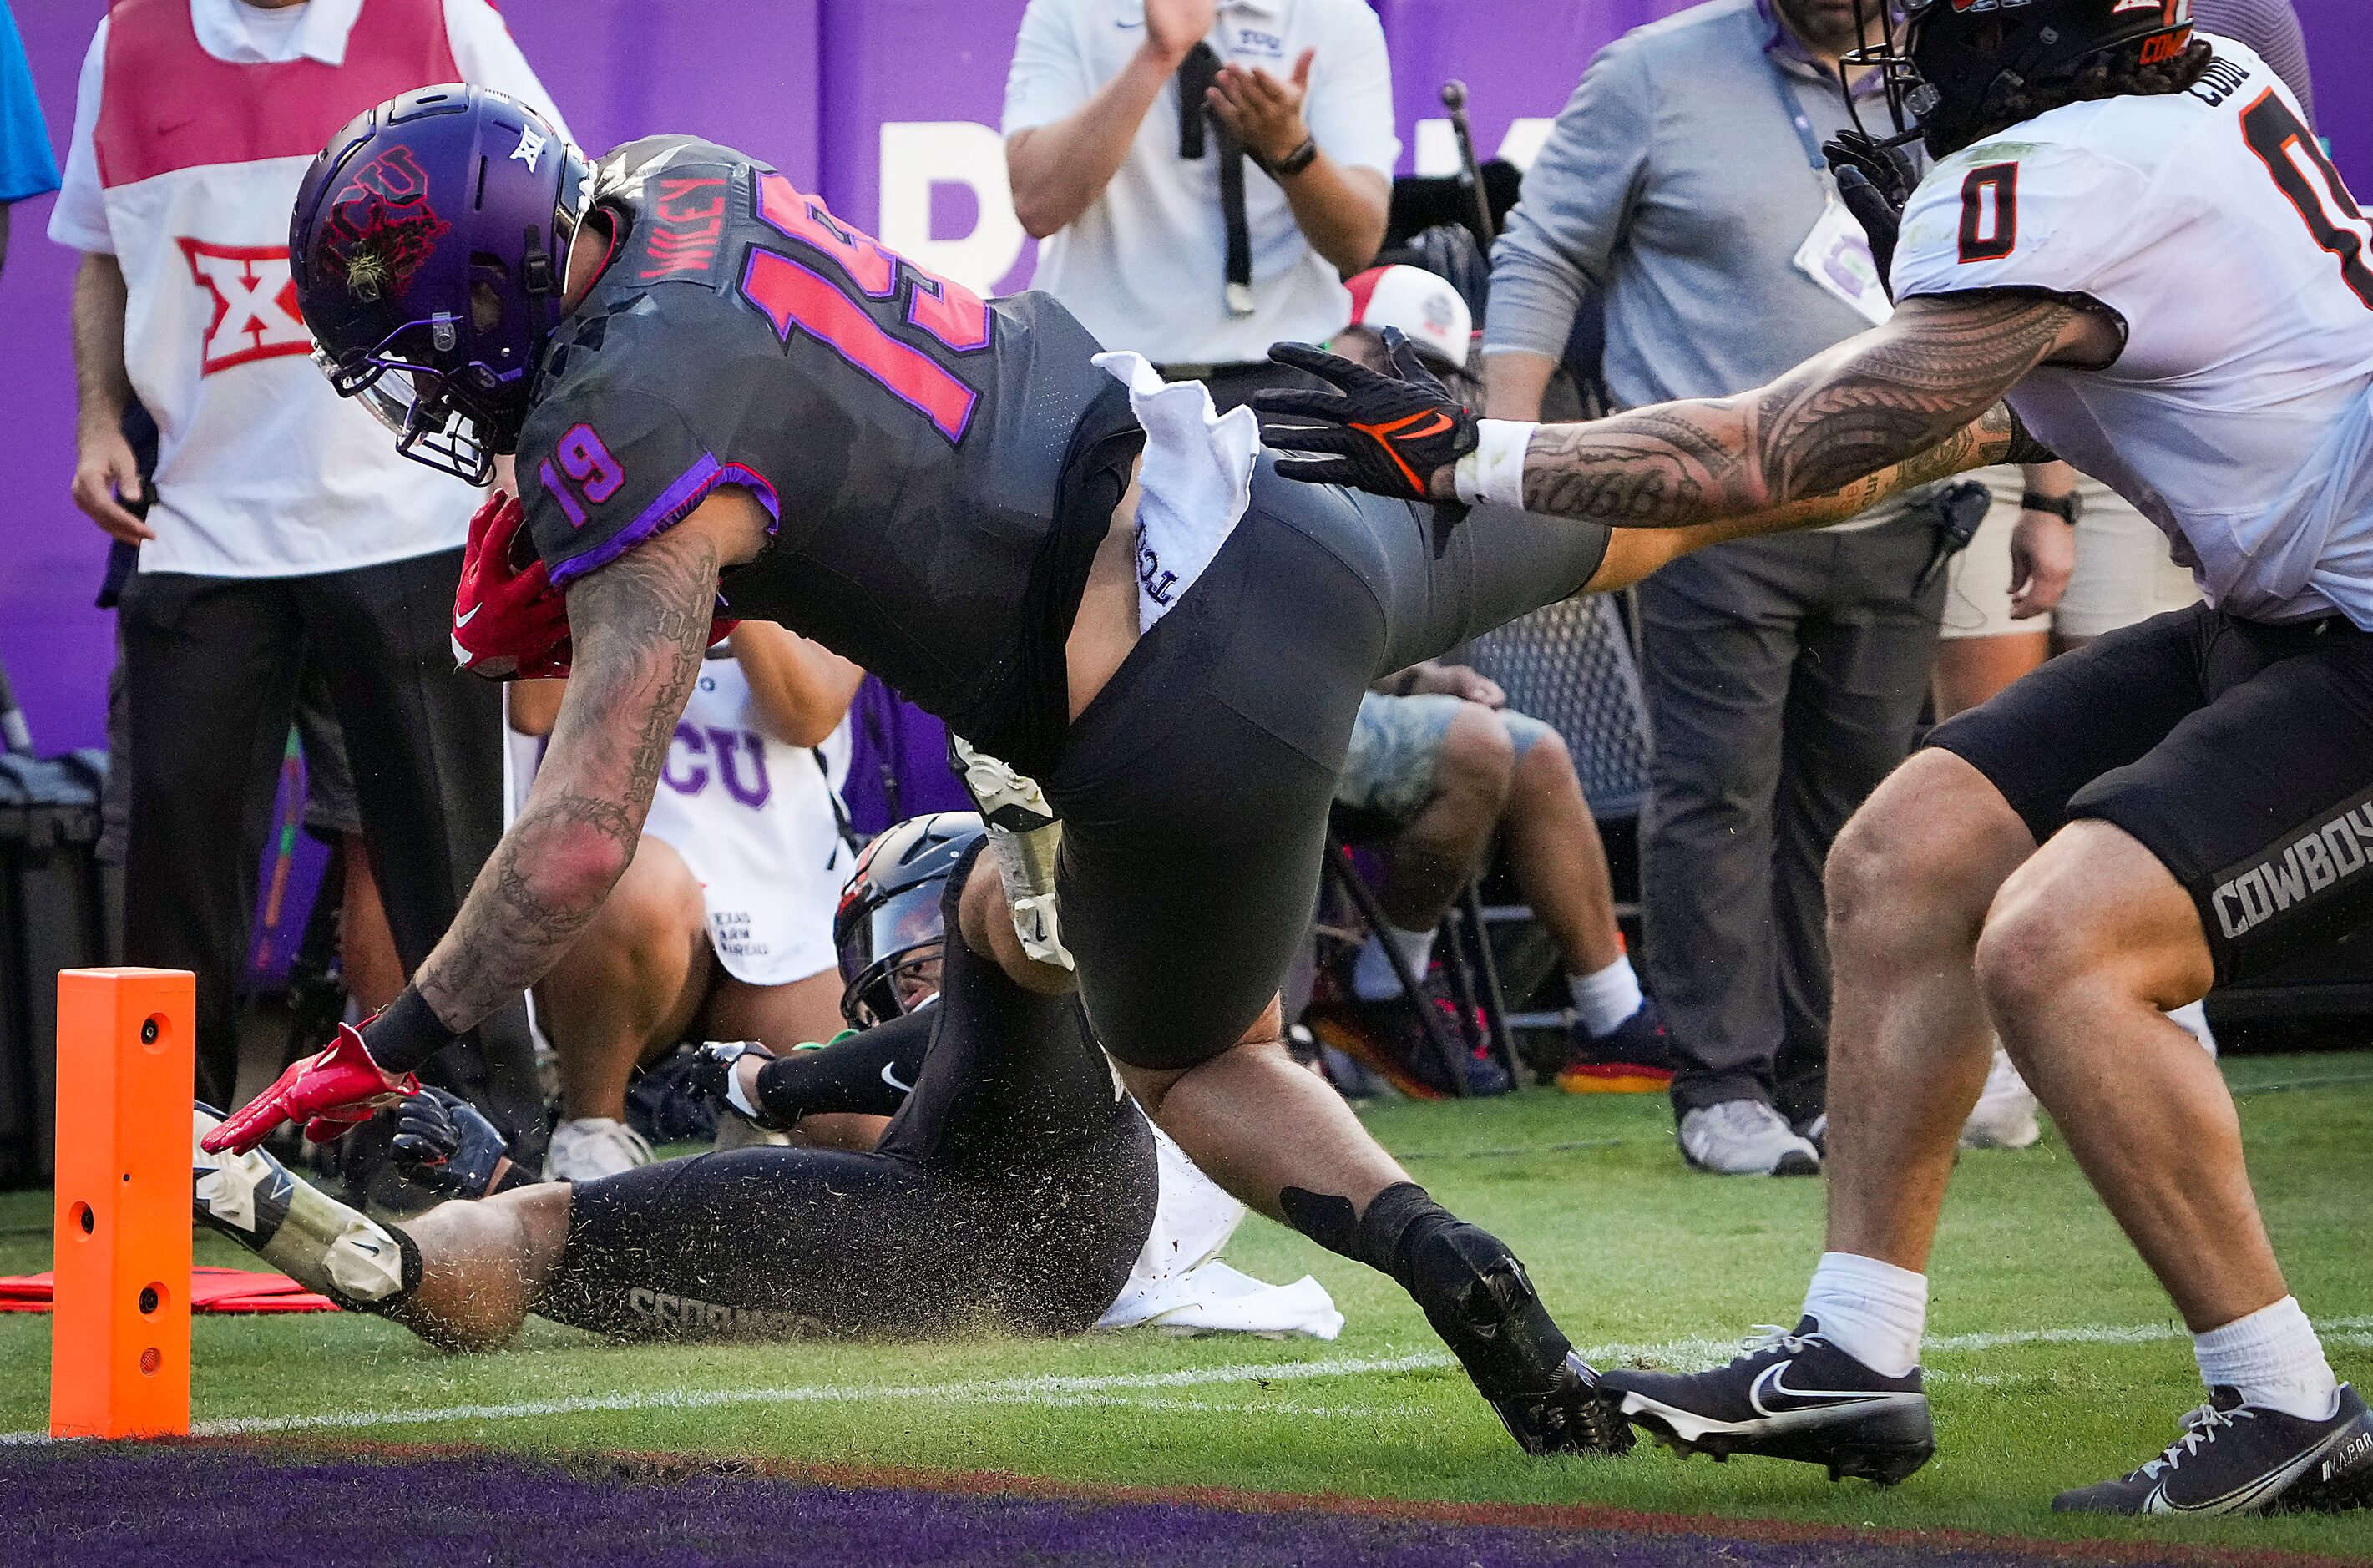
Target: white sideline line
x,y
1060,1392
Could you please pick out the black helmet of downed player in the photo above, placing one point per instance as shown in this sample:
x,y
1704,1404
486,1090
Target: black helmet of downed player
x,y
888,931
1958,70
428,248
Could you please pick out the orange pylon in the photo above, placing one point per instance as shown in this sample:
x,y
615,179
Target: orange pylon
x,y
120,1326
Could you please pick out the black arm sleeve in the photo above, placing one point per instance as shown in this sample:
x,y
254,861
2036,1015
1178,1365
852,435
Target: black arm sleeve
x,y
869,1074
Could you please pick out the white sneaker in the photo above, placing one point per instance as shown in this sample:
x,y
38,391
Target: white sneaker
x,y
1745,1138
587,1148
2004,1115
2193,1019
735,1131
2006,1109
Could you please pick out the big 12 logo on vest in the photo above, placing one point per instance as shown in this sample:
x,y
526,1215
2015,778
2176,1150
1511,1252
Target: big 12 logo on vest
x,y
254,303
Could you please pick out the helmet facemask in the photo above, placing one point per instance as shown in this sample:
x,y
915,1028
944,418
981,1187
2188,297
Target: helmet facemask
x,y
1956,73
431,267
1880,157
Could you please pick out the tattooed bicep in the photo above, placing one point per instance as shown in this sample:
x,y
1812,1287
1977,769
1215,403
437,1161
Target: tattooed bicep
x,y
1901,389
640,626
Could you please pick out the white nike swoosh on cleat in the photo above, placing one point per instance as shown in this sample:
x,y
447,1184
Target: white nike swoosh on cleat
x,y
1768,1380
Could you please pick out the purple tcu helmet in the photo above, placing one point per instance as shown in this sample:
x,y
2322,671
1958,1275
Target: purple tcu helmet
x,y
431,240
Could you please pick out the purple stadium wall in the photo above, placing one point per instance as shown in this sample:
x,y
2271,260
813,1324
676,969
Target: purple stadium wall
x,y
890,105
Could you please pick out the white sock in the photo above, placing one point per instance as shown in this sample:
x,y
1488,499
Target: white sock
x,y
2193,1019
1373,978
1605,998
2273,1358
1873,1311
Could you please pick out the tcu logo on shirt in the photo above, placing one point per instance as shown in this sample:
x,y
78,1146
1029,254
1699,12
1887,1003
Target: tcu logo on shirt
x,y
695,746
255,304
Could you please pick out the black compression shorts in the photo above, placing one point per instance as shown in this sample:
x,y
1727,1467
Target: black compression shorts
x,y
1194,789
2240,753
1013,1189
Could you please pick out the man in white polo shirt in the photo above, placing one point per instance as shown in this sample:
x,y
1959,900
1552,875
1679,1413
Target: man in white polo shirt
x,y
1199,236
282,525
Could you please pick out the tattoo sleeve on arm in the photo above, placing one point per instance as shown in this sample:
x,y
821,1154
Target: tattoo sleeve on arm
x,y
1907,402
640,626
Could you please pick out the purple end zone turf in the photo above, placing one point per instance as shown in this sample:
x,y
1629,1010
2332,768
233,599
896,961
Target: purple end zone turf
x,y
100,1507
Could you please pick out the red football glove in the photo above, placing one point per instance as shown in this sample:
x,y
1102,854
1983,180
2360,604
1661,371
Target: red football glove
x,y
330,1093
509,623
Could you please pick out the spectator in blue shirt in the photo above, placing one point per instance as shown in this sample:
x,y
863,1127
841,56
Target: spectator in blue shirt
x,y
27,168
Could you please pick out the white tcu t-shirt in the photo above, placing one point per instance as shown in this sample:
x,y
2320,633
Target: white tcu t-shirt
x,y
1145,267
2240,416
754,819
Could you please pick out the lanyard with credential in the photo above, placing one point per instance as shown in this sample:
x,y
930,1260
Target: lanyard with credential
x,y
1794,111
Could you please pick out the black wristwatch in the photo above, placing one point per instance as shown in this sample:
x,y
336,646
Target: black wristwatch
x,y
1297,160
2067,508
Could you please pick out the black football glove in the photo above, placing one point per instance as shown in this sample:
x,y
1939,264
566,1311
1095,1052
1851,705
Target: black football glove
x,y
1387,435
442,1143
1874,180
713,1065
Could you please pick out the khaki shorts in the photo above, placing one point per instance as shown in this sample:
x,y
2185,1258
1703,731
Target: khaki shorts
x,y
1396,750
2125,571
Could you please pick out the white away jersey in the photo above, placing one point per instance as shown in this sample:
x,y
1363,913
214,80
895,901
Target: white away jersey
x,y
2240,415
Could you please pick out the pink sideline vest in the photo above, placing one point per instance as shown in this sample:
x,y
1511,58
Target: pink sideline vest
x,y
168,104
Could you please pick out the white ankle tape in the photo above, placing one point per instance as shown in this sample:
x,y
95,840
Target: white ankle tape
x,y
1494,471
366,1263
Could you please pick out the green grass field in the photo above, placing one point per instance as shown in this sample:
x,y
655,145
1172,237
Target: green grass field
x,y
2056,1361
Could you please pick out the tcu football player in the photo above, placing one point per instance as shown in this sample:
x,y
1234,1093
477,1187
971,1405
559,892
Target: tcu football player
x,y
2129,231
724,400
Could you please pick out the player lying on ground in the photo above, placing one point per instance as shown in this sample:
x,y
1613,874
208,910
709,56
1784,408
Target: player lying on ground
x,y
2150,267
718,390
1012,1189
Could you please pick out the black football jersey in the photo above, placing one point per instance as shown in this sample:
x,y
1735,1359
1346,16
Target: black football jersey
x,y
910,438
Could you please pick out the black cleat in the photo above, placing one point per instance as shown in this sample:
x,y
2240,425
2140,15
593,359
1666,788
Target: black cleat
x,y
1791,1396
2237,1458
1479,1299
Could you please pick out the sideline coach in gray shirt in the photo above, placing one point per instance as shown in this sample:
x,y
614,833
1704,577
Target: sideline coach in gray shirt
x,y
1684,184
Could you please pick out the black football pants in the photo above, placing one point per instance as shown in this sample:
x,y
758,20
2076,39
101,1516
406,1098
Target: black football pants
x,y
212,668
1194,789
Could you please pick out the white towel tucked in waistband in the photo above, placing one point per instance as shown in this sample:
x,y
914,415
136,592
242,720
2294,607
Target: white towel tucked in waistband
x,y
1195,484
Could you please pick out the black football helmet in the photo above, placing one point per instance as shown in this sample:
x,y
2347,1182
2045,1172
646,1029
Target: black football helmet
x,y
888,927
1951,64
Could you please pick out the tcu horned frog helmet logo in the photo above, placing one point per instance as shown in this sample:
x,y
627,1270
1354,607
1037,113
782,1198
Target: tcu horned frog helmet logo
x,y
380,227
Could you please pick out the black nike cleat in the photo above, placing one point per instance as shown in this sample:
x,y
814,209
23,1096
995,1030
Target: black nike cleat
x,y
1479,1299
1791,1396
2237,1458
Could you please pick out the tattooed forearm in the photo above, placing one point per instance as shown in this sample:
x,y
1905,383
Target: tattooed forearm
x,y
1907,402
639,626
